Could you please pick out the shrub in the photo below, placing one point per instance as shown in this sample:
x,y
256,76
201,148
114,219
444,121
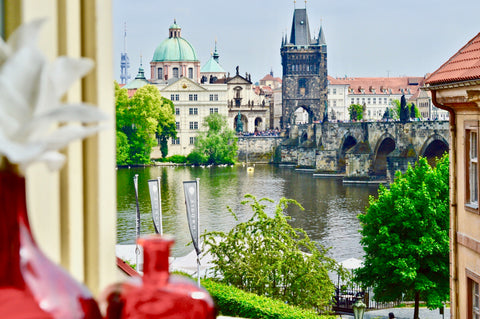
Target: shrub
x,y
232,301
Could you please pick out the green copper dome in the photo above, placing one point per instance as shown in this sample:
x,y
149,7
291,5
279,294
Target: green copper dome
x,y
175,48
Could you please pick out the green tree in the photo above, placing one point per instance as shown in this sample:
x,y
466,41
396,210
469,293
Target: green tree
x,y
166,126
356,112
217,145
395,110
405,237
267,256
121,109
141,118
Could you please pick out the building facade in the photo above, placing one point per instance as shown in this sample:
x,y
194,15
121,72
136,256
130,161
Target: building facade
x,y
247,104
193,102
455,87
376,94
304,65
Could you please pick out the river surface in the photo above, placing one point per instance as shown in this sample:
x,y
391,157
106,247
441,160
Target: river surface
x,y
329,217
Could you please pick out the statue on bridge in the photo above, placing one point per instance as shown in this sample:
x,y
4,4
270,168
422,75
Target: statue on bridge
x,y
239,128
325,113
404,111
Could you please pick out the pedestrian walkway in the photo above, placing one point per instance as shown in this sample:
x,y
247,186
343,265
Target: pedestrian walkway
x,y
405,313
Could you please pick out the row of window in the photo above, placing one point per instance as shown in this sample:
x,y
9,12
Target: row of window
x,y
175,73
334,91
176,141
194,110
193,97
371,100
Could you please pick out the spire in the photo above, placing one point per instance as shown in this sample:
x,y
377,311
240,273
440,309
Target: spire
x,y
300,34
321,37
215,53
141,73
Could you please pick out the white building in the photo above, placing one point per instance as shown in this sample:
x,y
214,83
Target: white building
x,y
377,94
175,70
193,102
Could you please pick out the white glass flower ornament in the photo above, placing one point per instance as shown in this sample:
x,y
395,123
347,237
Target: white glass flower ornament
x,y
31,89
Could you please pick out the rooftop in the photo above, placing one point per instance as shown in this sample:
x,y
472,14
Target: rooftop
x,y
462,66
380,85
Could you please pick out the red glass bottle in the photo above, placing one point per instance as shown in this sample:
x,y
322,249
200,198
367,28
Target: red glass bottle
x,y
158,294
31,285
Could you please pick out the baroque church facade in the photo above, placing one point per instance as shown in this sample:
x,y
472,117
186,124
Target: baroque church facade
x,y
197,92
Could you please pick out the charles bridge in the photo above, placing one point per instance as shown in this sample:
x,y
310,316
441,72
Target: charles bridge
x,y
359,151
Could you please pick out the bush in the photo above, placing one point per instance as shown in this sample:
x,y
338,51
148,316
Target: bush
x,y
232,301
178,159
267,256
196,158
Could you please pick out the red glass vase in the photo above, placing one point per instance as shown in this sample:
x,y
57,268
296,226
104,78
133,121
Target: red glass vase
x,y
31,285
158,294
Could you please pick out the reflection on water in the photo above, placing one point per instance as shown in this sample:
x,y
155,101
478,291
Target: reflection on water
x,y
329,216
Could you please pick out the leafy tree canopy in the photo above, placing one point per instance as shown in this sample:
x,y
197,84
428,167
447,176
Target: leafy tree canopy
x,y
267,256
356,112
217,145
141,118
405,237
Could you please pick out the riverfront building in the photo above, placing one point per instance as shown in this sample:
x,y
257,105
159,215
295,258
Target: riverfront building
x,y
455,87
377,94
197,92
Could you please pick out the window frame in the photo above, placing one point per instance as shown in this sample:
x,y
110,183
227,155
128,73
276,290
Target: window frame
x,y
472,279
471,127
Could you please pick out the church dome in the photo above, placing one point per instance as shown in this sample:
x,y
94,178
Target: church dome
x,y
175,48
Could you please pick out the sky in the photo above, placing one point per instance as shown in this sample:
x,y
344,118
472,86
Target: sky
x,y
369,38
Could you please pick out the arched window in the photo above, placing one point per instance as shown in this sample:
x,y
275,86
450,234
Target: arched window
x,y
175,72
190,73
159,73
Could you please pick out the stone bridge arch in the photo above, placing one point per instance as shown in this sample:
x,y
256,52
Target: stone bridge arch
x,y
433,148
385,145
291,115
347,143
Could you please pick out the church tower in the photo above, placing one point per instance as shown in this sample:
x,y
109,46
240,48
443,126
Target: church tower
x,y
304,64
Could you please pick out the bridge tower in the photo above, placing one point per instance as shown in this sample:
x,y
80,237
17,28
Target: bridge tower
x,y
304,64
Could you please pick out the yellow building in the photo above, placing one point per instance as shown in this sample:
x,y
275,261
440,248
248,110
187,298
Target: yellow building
x,y
455,87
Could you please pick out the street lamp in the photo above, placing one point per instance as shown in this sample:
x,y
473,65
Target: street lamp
x,y
358,309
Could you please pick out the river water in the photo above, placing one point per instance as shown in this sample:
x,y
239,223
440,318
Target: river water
x,y
329,217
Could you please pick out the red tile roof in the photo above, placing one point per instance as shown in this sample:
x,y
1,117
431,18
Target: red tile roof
x,y
462,66
269,77
381,85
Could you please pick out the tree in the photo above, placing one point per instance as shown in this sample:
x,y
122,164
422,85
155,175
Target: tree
x,y
405,237
395,110
217,145
166,126
356,112
267,256
141,118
